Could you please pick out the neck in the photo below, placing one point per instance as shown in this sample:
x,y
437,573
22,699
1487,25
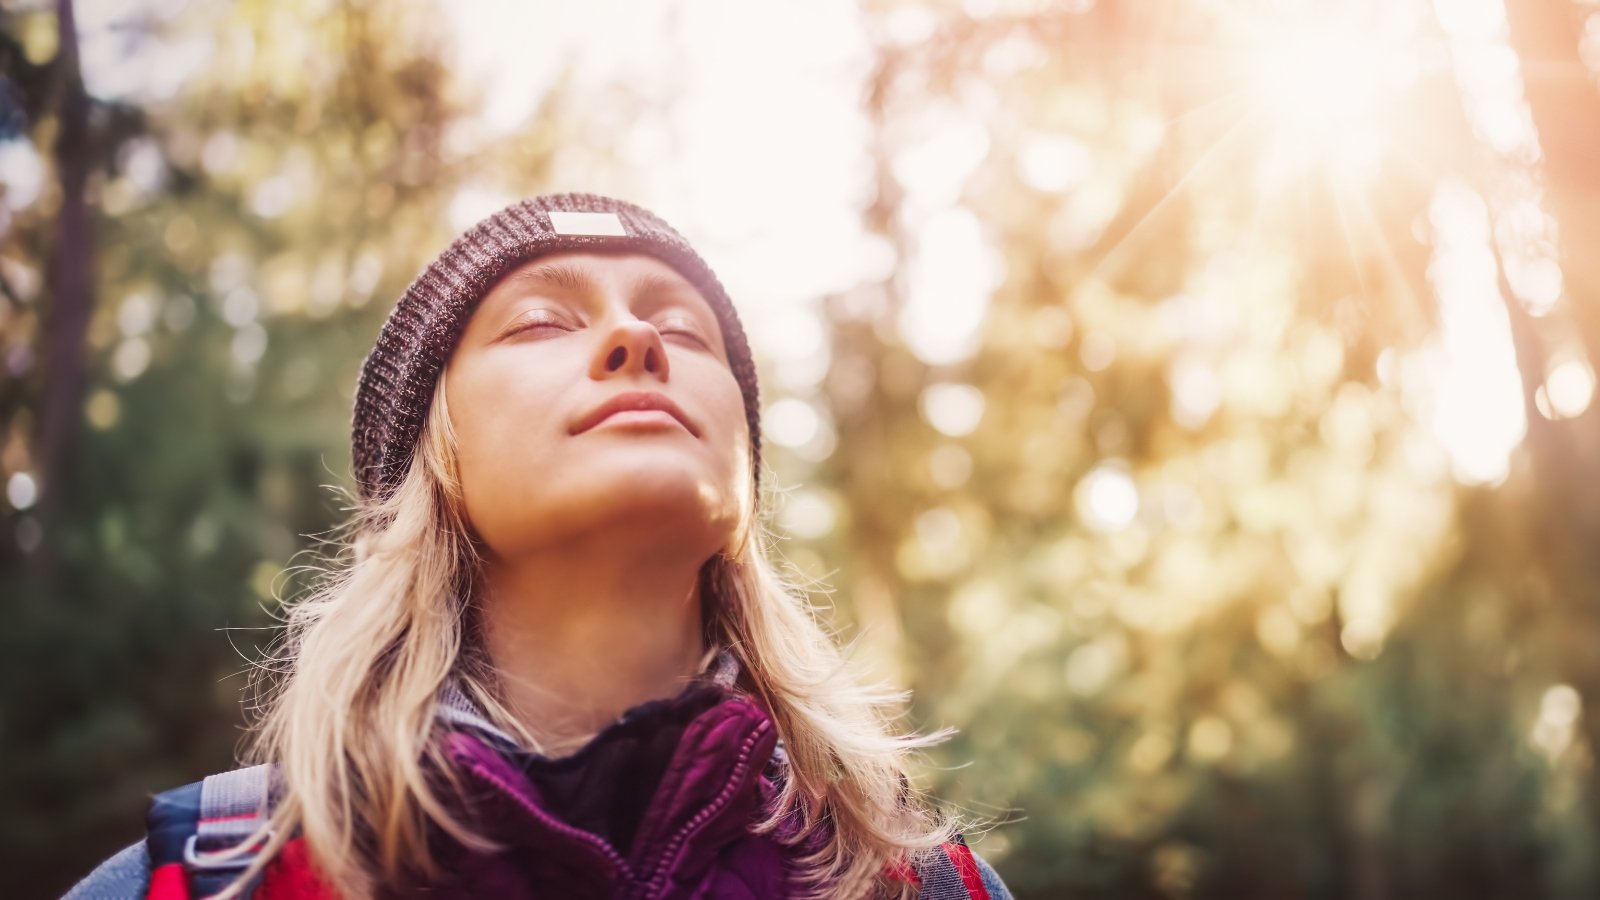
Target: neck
x,y
577,639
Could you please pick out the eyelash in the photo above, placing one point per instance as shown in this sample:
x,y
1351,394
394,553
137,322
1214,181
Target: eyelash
x,y
530,324
691,334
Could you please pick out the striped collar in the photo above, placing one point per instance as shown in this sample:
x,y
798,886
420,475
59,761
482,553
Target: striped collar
x,y
456,707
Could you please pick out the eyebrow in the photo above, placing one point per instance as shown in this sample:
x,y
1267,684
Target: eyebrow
x,y
572,278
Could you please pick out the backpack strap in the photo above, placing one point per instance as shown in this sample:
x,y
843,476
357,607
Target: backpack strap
x,y
948,872
959,857
192,828
232,806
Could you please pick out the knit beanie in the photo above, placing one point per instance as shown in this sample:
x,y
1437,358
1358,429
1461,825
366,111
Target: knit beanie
x,y
399,376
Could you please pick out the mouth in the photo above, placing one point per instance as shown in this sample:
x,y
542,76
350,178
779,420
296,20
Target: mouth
x,y
643,407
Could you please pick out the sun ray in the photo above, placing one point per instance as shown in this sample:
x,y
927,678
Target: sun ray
x,y
1207,106
1394,270
1349,244
1113,253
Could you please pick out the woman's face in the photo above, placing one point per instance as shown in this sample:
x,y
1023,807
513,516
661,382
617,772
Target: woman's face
x,y
550,345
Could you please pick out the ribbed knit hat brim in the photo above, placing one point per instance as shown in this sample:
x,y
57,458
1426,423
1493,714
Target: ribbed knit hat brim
x,y
400,374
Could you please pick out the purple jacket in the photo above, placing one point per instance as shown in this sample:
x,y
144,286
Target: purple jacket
x,y
657,805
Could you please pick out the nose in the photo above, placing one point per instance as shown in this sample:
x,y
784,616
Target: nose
x,y
630,347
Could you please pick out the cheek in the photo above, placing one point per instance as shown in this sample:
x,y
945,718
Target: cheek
x,y
496,409
733,427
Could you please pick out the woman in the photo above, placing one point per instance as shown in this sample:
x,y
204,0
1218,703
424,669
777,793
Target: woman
x,y
558,660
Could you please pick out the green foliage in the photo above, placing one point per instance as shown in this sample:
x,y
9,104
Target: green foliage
x,y
234,278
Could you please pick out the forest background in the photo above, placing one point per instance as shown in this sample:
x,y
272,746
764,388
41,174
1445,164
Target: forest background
x,y
1190,401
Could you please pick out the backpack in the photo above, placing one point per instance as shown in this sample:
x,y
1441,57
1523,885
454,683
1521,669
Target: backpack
x,y
190,827
188,830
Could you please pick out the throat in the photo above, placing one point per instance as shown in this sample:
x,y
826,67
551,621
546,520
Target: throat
x,y
568,667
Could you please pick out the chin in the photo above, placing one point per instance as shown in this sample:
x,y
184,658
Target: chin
x,y
644,466
663,491
614,492
658,482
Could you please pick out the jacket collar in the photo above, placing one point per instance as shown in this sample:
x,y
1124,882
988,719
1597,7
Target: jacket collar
x,y
457,709
711,791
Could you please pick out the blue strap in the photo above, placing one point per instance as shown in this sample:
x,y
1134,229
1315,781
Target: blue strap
x,y
127,874
170,821
991,879
940,878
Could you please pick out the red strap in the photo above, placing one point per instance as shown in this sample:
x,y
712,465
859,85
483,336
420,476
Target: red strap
x,y
167,883
961,855
292,876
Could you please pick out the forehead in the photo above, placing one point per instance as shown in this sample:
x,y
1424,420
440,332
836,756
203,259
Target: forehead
x,y
584,272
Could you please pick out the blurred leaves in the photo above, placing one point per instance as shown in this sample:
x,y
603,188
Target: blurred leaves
x,y
241,231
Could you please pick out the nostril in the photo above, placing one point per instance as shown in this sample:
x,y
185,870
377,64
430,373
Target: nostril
x,y
651,364
617,357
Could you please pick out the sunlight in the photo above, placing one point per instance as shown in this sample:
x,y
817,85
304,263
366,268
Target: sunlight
x,y
951,275
1567,390
1319,82
753,148
1559,710
21,490
953,410
1323,87
1106,498
1478,414
22,174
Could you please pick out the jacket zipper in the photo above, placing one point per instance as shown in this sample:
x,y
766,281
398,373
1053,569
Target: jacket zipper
x,y
649,888
593,841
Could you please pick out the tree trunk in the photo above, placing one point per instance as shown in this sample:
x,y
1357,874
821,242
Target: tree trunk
x,y
1566,112
72,287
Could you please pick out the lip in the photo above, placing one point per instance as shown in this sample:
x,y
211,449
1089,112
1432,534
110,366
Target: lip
x,y
629,401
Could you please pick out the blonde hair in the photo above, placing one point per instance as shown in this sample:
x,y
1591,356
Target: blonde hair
x,y
348,701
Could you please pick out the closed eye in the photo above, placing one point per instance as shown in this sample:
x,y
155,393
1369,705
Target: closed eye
x,y
687,331
542,320
534,322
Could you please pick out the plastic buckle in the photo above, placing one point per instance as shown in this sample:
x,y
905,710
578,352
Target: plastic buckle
x,y
195,858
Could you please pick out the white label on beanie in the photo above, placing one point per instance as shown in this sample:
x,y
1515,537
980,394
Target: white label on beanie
x,y
586,223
